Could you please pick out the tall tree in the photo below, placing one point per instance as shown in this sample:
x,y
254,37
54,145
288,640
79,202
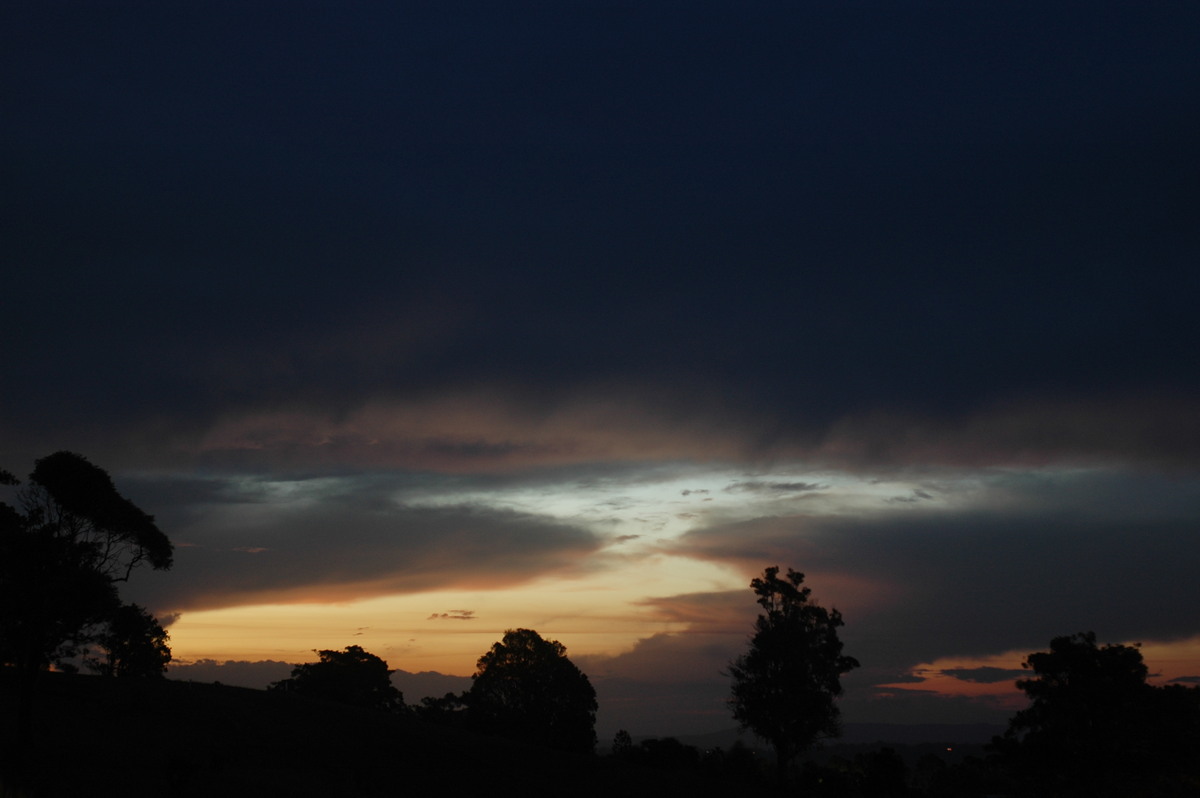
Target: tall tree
x,y
64,547
352,676
786,685
526,687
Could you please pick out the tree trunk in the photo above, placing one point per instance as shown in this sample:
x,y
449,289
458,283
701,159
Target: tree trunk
x,y
15,769
27,676
783,757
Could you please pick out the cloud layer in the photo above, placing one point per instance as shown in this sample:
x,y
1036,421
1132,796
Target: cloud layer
x,y
364,302
325,540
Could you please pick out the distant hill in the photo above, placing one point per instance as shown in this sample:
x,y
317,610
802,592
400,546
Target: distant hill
x,y
913,734
416,686
240,673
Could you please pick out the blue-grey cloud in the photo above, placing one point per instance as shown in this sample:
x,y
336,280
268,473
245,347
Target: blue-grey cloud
x,y
1049,555
260,540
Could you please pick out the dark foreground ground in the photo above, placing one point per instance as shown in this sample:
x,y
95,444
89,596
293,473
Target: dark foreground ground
x,y
101,737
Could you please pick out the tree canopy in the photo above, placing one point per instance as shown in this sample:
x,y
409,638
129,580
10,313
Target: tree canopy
x,y
131,644
71,538
526,687
1095,727
786,685
352,676
64,547
70,498
49,597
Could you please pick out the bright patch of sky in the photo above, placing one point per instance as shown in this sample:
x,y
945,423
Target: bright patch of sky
x,y
667,501
595,612
596,606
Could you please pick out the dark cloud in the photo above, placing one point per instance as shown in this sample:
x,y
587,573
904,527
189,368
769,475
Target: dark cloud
x,y
166,619
1156,429
902,705
318,540
453,615
755,486
896,678
1053,555
924,225
986,674
661,708
710,613
665,682
1187,679
912,498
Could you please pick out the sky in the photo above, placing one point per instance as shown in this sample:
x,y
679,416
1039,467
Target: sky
x,y
413,323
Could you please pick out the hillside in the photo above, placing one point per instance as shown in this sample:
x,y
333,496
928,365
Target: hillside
x,y
100,737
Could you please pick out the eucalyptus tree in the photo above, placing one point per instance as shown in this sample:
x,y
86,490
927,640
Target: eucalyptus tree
x,y
65,545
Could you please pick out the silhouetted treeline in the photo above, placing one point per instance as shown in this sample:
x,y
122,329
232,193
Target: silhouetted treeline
x,y
1094,728
879,770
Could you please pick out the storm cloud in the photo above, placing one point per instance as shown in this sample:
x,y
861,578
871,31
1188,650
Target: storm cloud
x,y
364,302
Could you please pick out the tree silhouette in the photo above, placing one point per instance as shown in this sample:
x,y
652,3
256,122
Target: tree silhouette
x,y
785,686
1095,727
63,550
70,499
132,643
526,687
448,710
352,676
622,743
